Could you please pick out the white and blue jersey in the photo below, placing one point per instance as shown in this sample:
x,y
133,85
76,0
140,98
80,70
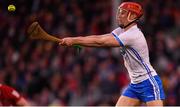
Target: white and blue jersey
x,y
136,59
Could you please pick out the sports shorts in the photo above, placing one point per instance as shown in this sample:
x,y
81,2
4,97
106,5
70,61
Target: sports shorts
x,y
147,90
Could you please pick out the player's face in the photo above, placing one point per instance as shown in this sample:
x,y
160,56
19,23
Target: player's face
x,y
121,17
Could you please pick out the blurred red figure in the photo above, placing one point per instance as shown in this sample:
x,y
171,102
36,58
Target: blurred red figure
x,y
10,97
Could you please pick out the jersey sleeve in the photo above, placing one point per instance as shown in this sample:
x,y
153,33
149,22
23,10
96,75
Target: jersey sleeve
x,y
116,32
126,38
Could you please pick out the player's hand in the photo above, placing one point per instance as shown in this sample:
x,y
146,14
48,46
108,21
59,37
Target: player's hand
x,y
66,41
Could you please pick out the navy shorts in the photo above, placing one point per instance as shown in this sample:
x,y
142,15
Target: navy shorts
x,y
148,90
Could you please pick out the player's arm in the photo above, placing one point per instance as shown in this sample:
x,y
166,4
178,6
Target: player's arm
x,y
106,40
22,102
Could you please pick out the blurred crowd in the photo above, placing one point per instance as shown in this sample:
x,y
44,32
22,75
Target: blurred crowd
x,y
49,74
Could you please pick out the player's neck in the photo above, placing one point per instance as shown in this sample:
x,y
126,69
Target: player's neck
x,y
128,27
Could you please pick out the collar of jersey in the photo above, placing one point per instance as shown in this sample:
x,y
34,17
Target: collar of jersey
x,y
132,27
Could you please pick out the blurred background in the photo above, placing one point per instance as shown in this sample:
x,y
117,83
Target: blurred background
x,y
48,74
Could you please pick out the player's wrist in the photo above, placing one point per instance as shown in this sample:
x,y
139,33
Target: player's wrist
x,y
75,40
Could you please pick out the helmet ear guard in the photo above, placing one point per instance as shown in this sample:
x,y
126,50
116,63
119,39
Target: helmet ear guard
x,y
128,17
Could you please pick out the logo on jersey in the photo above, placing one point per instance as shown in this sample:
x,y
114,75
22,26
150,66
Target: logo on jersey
x,y
122,51
15,93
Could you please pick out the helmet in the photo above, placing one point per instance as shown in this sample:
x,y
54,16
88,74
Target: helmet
x,y
132,7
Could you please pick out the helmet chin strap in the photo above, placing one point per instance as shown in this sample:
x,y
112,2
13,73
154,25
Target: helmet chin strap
x,y
130,21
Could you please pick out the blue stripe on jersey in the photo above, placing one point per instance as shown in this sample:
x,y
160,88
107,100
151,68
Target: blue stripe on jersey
x,y
120,42
148,71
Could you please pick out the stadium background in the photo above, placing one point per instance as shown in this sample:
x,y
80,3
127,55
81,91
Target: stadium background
x,y
48,74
